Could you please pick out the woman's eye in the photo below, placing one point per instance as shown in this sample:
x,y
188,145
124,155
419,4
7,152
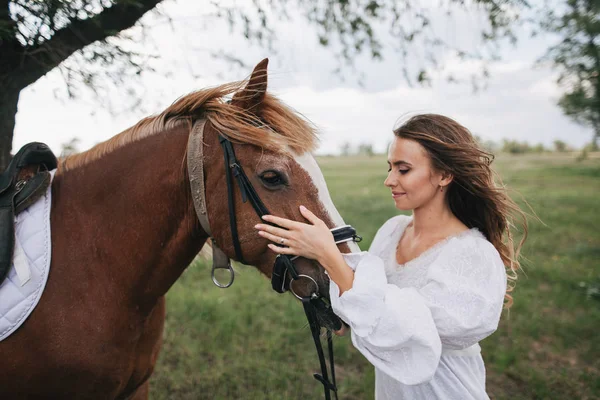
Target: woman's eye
x,y
403,171
272,178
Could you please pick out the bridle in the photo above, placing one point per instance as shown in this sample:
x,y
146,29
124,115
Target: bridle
x,y
283,263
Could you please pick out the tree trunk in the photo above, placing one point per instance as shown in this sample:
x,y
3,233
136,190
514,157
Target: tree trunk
x,y
8,110
21,66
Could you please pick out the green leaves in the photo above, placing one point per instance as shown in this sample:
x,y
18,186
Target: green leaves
x,y
577,58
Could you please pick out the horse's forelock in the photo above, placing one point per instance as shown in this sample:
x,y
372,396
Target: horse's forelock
x,y
274,126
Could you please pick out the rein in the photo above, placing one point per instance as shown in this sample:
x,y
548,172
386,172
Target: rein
x,y
283,263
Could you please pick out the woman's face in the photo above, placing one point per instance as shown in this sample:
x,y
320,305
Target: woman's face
x,y
411,177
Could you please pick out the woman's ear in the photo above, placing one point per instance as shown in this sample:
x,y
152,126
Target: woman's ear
x,y
447,178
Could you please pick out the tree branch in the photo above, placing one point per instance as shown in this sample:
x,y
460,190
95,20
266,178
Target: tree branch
x,y
10,47
6,24
39,60
4,8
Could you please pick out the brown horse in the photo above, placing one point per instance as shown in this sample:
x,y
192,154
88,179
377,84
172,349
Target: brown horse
x,y
124,229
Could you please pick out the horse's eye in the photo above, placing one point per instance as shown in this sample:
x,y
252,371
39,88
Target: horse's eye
x,y
272,179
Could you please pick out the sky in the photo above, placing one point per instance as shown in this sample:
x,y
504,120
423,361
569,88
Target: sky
x,y
519,101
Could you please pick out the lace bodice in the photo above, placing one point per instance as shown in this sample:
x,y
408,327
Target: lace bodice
x,y
414,272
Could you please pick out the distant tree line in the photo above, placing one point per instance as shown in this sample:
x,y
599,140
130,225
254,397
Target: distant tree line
x,y
363,149
510,146
522,147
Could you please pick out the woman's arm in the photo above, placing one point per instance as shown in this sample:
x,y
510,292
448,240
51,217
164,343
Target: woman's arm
x,y
401,330
391,327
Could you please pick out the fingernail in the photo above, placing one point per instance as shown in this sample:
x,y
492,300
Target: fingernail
x,y
302,208
265,216
257,226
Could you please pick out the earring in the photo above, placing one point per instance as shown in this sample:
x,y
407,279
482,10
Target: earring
x,y
441,188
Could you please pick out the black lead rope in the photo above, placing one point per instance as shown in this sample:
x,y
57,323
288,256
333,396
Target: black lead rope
x,y
310,304
331,363
315,328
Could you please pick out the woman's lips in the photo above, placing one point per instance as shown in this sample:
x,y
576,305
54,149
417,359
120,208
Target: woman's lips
x,y
395,195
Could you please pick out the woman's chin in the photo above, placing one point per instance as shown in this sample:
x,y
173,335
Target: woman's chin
x,y
402,207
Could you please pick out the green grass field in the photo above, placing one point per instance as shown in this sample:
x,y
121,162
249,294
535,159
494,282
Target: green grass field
x,y
248,342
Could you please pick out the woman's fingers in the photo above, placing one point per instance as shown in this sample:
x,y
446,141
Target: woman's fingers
x,y
280,250
273,230
283,222
274,238
289,224
312,218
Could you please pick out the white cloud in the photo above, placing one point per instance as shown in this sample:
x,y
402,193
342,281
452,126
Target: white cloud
x,y
519,102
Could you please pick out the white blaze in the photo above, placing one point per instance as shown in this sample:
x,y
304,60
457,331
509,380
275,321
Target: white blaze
x,y
309,164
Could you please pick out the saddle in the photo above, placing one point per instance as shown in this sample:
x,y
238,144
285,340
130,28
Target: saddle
x,y
21,184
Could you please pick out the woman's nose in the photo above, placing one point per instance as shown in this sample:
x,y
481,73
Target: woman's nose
x,y
389,181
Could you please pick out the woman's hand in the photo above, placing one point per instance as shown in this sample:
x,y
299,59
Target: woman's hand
x,y
313,240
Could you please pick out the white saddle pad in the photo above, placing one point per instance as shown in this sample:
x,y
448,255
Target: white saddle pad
x,y
21,290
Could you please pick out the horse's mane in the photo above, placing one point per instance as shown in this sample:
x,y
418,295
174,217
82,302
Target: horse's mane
x,y
278,127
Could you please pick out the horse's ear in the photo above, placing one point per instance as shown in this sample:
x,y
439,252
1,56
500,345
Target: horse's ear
x,y
251,97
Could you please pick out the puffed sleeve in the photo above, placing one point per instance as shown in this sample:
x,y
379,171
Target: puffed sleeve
x,y
465,292
401,331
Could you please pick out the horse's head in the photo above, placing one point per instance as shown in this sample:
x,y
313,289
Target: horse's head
x,y
273,144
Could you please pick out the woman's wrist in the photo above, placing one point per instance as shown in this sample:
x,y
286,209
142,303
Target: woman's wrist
x,y
330,258
338,270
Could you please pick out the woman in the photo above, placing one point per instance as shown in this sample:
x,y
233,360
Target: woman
x,y
433,284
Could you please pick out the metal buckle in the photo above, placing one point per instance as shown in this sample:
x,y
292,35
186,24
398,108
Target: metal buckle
x,y
20,185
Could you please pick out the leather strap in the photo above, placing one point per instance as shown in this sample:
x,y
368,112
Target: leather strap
x,y
195,166
310,307
247,191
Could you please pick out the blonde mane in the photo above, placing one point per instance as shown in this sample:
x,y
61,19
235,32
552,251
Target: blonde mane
x,y
277,128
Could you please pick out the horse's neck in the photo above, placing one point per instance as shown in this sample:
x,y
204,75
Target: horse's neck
x,y
133,210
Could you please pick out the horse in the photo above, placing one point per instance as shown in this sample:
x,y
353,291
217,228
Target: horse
x,y
124,229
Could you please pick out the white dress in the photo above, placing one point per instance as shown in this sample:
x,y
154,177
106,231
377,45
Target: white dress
x,y
419,323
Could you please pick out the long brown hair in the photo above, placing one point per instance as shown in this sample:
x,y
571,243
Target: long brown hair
x,y
476,195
